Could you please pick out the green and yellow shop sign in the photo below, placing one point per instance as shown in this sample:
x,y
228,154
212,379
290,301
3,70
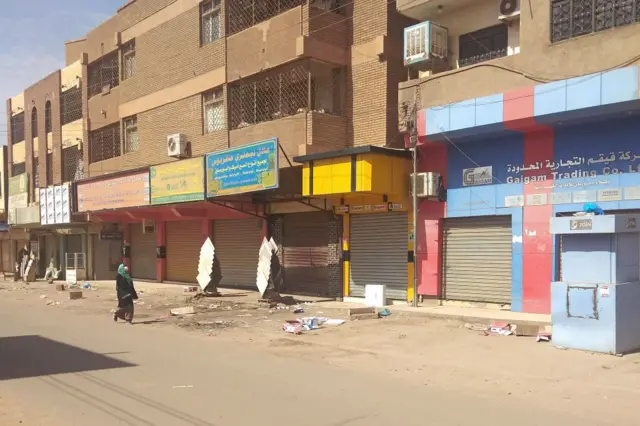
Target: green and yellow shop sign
x,y
248,168
178,182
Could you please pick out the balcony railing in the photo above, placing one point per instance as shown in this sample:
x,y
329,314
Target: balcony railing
x,y
105,143
302,86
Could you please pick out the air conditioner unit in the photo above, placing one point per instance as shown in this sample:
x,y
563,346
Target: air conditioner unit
x,y
509,10
425,42
176,145
428,184
148,226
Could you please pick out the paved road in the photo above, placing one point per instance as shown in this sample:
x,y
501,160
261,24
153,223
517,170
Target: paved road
x,y
84,370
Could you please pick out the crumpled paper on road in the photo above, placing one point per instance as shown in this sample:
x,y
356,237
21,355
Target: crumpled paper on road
x,y
301,325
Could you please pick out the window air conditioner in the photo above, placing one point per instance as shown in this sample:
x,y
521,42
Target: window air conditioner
x,y
428,184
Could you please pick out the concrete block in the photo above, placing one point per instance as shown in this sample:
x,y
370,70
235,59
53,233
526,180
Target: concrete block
x,y
367,310
74,295
187,310
358,317
191,289
528,330
59,287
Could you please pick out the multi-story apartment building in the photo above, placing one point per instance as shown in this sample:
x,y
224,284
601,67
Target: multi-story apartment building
x,y
527,111
228,120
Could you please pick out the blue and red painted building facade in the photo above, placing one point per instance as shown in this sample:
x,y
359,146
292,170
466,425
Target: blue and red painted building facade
x,y
547,150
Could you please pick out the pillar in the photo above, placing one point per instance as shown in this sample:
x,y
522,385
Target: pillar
x,y
346,232
161,251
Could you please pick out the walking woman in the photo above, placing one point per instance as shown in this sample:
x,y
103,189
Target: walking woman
x,y
126,295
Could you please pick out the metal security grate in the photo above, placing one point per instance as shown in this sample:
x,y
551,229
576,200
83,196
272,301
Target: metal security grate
x,y
49,169
213,107
210,15
18,169
71,105
17,128
105,143
302,86
131,135
72,164
244,14
104,73
483,45
36,172
129,59
573,18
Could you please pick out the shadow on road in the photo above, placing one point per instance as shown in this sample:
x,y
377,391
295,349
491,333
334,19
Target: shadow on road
x,y
34,356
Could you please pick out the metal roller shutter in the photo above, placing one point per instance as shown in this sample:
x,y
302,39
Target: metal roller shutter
x,y
50,250
183,250
107,257
6,256
74,243
237,243
378,248
477,259
143,253
305,253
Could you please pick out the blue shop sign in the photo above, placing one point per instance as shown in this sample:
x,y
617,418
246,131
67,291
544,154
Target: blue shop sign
x,y
248,168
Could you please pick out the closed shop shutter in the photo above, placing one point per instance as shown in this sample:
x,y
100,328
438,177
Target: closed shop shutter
x,y
143,254
305,253
6,256
183,250
50,251
237,243
107,256
74,243
477,259
378,253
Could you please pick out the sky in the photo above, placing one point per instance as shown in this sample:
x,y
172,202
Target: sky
x,y
33,36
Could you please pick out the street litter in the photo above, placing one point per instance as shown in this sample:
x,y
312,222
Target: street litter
x,y
300,325
384,313
501,328
43,296
182,386
543,337
187,310
298,311
191,289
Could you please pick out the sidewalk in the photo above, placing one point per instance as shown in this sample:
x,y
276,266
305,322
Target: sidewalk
x,y
451,313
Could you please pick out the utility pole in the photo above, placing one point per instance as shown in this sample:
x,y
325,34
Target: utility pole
x,y
413,140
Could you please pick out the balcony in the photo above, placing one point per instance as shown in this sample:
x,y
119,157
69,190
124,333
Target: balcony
x,y
302,104
271,33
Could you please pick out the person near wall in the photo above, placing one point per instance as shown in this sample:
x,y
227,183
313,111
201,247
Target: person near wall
x,y
126,295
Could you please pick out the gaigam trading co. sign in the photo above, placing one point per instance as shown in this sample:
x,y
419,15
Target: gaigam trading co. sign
x,y
244,169
116,193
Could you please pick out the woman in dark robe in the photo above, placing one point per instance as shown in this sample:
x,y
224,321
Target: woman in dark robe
x,y
126,295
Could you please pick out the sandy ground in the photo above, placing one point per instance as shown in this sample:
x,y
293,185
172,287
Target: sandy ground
x,y
231,364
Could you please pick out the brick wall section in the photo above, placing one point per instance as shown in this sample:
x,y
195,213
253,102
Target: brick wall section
x,y
367,93
139,10
326,132
329,27
86,148
369,19
184,116
170,54
47,89
9,144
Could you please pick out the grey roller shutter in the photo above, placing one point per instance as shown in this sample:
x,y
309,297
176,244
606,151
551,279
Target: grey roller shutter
x,y
378,253
6,256
237,243
106,258
306,253
477,259
143,253
184,240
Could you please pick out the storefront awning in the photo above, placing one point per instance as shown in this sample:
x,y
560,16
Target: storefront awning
x,y
359,170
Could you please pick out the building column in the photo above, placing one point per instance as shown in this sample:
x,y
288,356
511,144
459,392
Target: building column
x,y
346,255
161,251
207,230
126,246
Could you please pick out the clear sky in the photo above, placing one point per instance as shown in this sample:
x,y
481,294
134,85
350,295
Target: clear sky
x,y
33,36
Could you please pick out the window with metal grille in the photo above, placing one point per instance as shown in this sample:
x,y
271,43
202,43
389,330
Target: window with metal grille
x,y
36,173
49,167
243,14
573,18
302,86
131,135
210,21
129,59
18,168
72,164
105,143
34,122
483,45
104,73
48,124
17,128
213,108
71,105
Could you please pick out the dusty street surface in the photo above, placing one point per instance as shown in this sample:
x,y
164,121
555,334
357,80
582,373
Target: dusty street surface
x,y
66,363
